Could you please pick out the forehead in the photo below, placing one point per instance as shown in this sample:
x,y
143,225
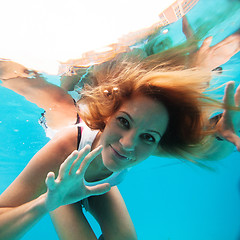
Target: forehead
x,y
145,110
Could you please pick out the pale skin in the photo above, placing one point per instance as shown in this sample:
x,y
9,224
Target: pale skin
x,y
59,106
210,57
27,199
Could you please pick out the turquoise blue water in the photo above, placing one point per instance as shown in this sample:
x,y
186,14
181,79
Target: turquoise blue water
x,y
167,199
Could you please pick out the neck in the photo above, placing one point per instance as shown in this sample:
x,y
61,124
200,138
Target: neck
x,y
96,170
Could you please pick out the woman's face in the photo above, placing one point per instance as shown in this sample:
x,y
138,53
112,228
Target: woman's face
x,y
133,133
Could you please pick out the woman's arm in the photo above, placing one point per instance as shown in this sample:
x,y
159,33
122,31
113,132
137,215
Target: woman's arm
x,y
108,209
20,204
70,223
58,104
227,134
111,213
16,221
72,77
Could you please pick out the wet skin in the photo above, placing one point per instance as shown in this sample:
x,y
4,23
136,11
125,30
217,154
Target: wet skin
x,y
133,133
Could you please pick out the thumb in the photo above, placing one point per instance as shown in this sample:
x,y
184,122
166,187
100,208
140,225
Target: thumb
x,y
206,43
50,181
229,94
237,96
100,189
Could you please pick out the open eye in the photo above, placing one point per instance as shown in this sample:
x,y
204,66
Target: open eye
x,y
124,122
148,138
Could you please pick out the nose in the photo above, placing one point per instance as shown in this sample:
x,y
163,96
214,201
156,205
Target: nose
x,y
128,140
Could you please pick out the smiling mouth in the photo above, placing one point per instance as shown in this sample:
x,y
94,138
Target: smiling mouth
x,y
118,155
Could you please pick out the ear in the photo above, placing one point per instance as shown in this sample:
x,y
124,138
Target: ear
x,y
102,127
104,123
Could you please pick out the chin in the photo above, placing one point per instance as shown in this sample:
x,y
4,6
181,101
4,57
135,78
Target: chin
x,y
111,162
112,166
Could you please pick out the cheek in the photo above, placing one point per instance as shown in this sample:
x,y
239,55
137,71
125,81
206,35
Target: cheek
x,y
107,138
144,152
110,134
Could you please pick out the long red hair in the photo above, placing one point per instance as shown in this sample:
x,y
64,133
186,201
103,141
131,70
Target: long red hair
x,y
181,91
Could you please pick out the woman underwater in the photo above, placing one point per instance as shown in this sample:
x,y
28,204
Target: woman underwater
x,y
134,109
136,112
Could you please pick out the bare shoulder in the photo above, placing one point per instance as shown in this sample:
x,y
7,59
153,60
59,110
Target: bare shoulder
x,y
31,181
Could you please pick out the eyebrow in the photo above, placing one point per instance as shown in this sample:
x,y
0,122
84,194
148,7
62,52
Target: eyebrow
x,y
160,135
147,129
128,116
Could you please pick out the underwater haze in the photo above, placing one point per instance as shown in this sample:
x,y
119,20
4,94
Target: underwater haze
x,y
167,199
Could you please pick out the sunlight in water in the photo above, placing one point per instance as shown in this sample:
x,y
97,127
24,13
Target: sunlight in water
x,y
40,33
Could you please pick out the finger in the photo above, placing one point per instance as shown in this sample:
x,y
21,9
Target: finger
x,y
206,43
234,139
228,99
186,28
237,97
89,158
81,156
99,189
234,42
65,167
50,181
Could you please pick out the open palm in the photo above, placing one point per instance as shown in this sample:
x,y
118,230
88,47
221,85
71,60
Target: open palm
x,y
69,186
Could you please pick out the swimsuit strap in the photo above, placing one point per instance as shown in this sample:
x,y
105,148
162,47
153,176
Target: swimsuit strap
x,y
79,135
79,131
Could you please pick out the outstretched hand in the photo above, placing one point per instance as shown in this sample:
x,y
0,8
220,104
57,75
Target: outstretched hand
x,y
229,125
69,186
210,58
